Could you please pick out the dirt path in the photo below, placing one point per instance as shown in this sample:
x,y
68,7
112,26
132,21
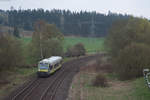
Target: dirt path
x,y
55,87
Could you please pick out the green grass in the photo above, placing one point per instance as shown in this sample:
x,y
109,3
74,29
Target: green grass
x,y
141,90
91,44
26,40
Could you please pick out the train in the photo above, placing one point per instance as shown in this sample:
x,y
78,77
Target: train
x,y
48,66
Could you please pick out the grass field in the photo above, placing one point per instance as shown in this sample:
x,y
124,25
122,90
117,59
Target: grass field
x,y
26,40
91,44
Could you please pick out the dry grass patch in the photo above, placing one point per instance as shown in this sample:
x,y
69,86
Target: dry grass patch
x,y
82,86
82,89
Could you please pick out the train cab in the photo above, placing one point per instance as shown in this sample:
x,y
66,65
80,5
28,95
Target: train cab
x,y
48,66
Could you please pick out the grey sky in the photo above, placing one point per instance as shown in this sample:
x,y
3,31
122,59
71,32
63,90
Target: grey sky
x,y
134,7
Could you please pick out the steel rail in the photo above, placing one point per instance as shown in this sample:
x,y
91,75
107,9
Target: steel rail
x,y
24,89
52,83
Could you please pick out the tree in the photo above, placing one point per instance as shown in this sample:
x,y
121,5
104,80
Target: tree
x,y
16,32
76,50
131,60
128,40
46,41
10,52
124,32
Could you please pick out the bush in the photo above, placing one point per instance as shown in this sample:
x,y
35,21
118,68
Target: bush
x,y
100,80
131,61
10,52
76,50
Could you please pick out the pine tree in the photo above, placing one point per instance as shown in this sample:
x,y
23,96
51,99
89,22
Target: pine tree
x,y
16,32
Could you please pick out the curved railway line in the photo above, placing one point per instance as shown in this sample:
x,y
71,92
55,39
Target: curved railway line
x,y
51,90
47,88
48,93
26,90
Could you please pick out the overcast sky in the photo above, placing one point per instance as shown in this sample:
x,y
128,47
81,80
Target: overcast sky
x,y
134,7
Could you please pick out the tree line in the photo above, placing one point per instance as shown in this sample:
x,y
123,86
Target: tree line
x,y
81,23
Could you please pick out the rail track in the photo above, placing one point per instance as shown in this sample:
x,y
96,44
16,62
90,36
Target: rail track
x,y
49,92
49,88
26,90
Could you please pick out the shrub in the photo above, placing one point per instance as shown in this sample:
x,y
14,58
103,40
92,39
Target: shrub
x,y
100,80
131,61
10,52
76,50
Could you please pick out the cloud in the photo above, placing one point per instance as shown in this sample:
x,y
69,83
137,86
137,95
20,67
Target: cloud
x,y
5,0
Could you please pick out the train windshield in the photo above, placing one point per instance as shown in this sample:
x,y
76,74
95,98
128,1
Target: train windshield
x,y
43,65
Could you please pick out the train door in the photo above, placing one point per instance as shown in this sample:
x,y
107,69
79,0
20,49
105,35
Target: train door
x,y
50,67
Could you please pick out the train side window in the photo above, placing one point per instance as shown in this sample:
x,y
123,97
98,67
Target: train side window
x,y
56,65
61,61
50,67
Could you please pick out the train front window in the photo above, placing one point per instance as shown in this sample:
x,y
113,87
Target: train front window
x,y
43,65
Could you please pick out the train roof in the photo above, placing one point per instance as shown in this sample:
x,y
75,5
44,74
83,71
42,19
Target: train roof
x,y
52,60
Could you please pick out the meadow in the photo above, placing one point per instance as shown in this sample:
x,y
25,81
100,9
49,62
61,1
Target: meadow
x,y
91,44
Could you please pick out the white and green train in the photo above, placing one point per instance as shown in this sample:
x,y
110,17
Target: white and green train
x,y
49,66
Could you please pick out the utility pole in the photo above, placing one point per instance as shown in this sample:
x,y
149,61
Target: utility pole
x,y
92,26
62,20
39,30
41,46
79,24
